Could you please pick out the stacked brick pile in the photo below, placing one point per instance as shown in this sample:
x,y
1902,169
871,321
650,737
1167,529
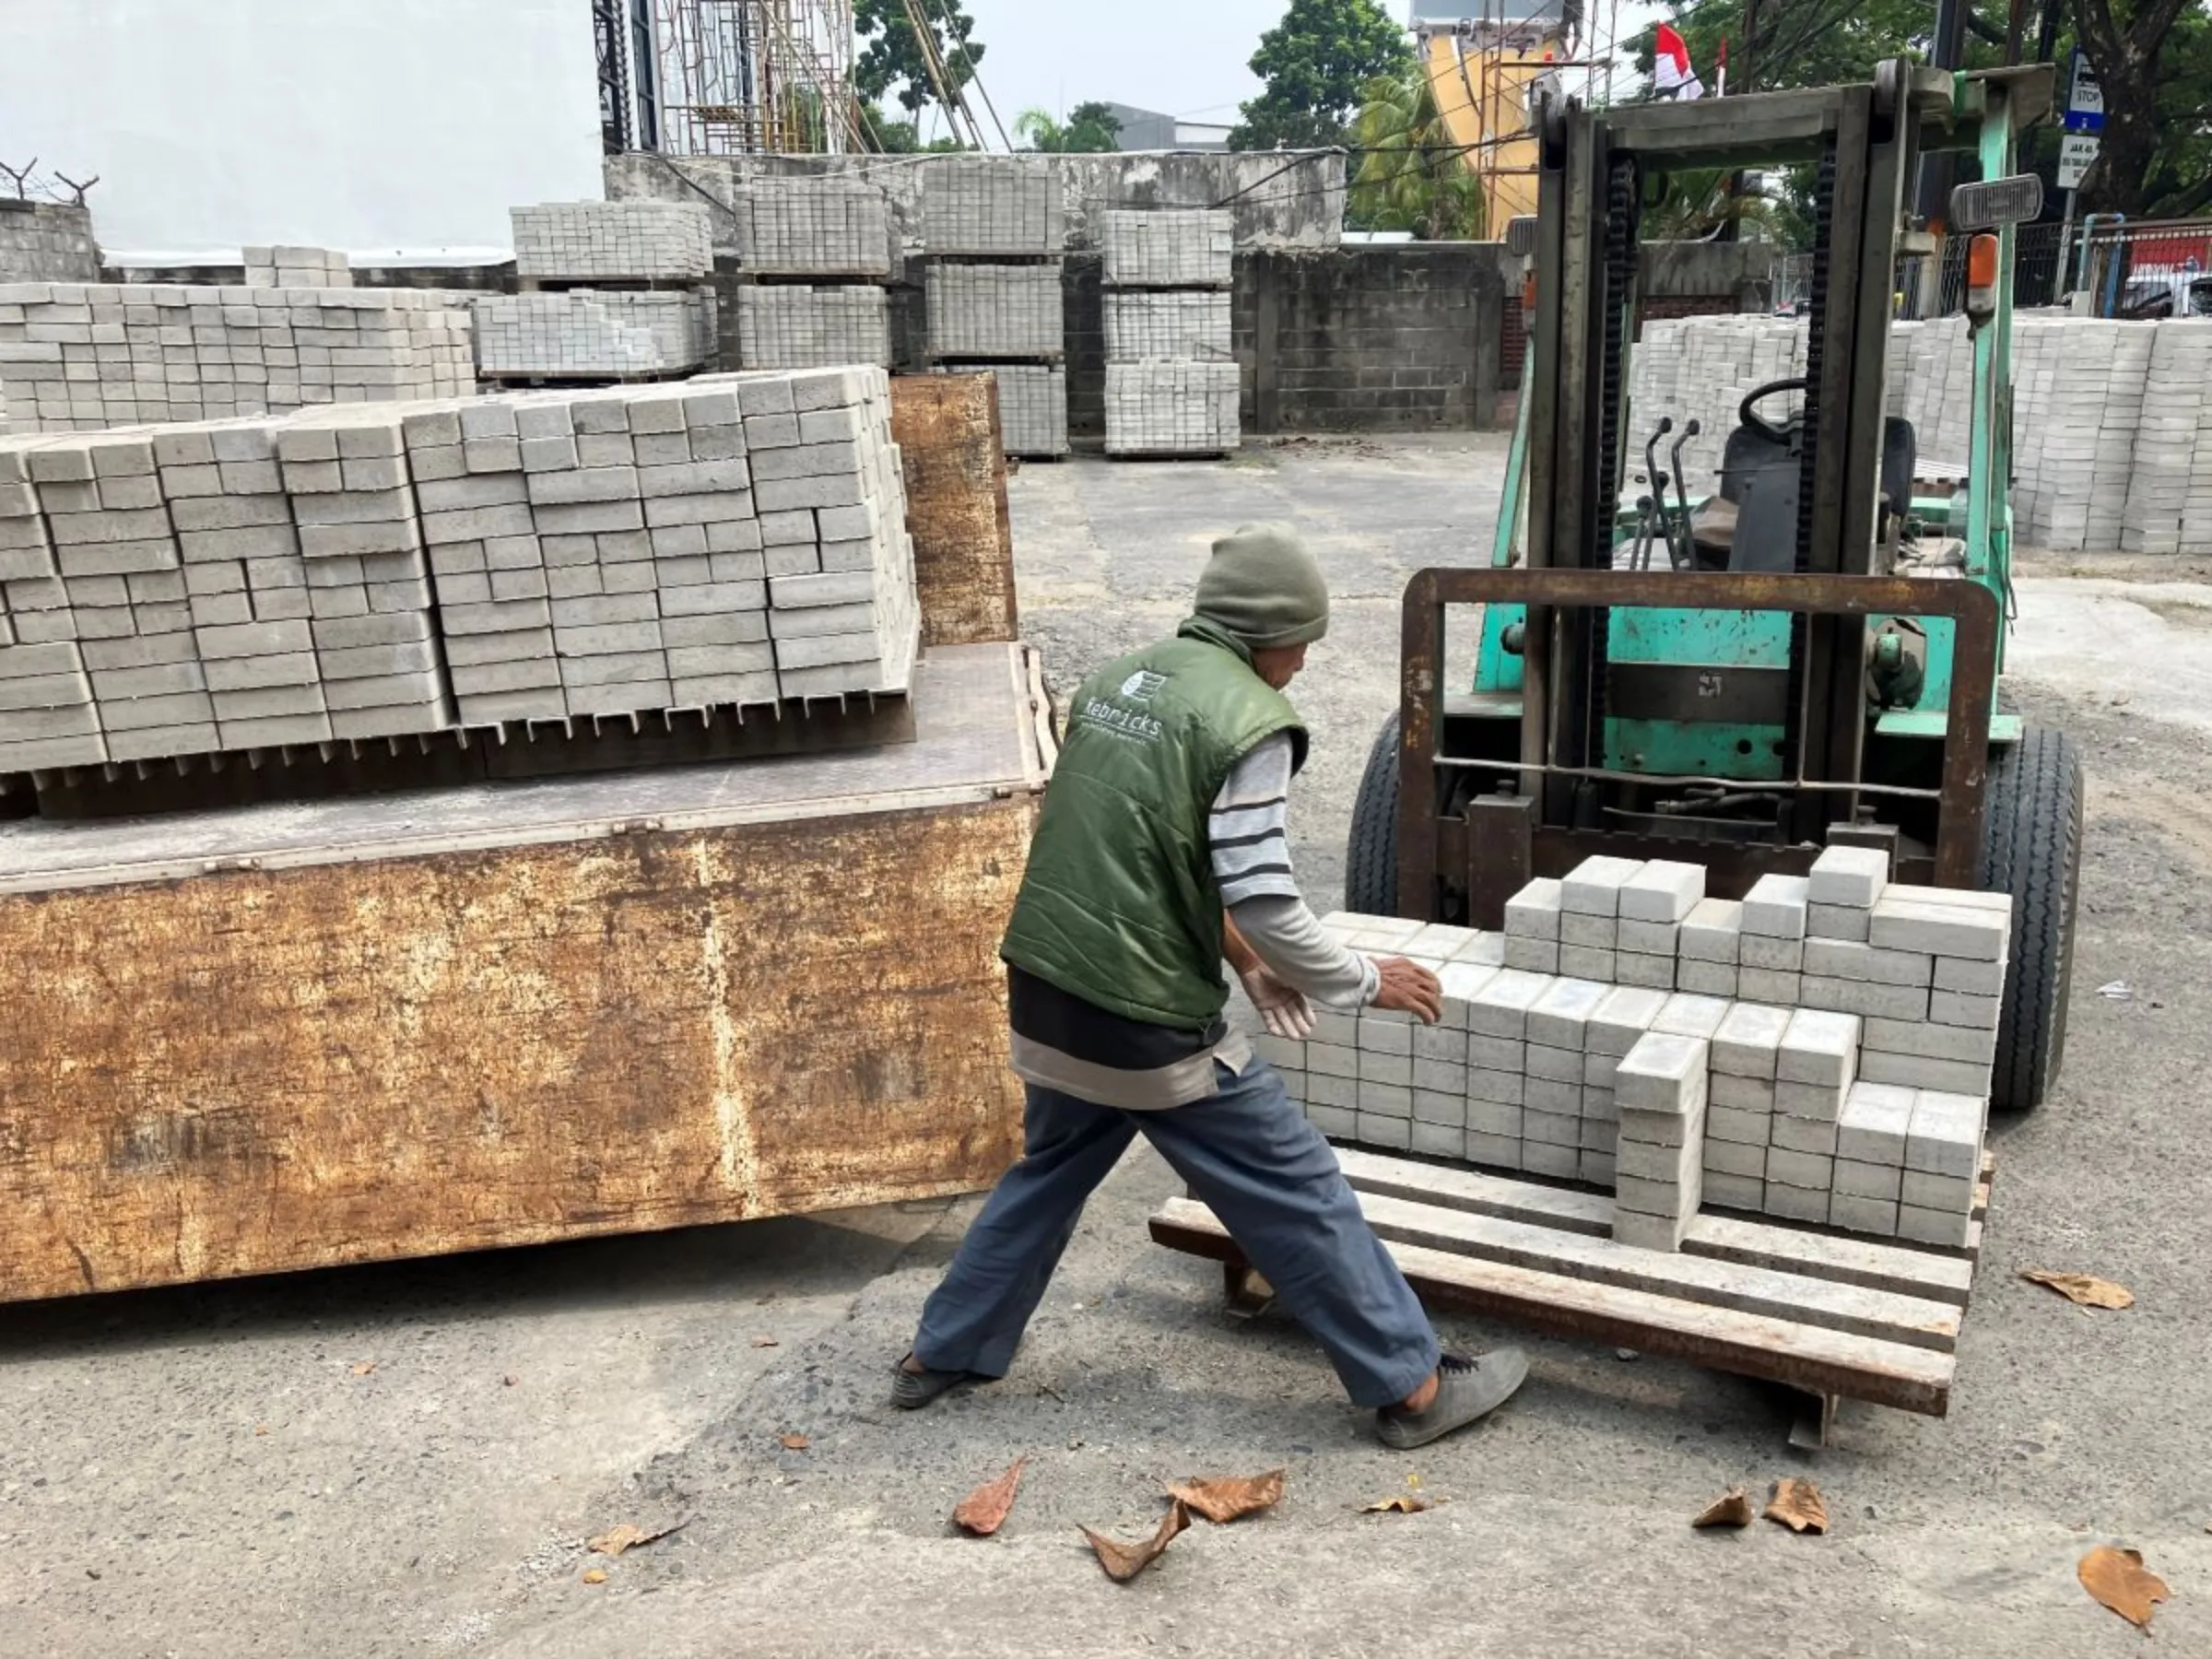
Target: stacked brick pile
x,y
607,333
2112,430
1171,383
816,253
584,336
366,573
288,268
1843,1081
995,288
84,357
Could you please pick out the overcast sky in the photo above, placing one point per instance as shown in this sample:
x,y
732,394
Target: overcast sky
x,y
1185,57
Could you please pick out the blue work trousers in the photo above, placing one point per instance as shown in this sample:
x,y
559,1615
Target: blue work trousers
x,y
1266,1174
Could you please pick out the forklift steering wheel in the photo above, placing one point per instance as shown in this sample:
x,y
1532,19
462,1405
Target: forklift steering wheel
x,y
1748,416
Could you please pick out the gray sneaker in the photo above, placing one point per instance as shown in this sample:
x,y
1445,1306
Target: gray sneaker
x,y
1466,1389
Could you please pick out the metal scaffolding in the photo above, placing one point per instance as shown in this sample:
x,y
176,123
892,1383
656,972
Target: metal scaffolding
x,y
743,77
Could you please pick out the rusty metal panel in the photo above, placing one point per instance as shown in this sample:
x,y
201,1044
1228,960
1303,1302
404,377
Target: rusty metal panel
x,y
269,1070
948,430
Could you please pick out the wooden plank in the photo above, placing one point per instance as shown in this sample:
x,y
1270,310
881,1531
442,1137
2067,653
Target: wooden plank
x,y
948,434
1906,1270
1883,1314
1480,1194
266,1070
1805,1356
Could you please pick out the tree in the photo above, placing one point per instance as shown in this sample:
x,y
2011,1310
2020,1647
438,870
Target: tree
x,y
1411,176
902,137
1316,63
1090,129
2153,60
895,61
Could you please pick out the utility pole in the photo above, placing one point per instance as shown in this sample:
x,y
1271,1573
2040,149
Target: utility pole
x,y
1933,201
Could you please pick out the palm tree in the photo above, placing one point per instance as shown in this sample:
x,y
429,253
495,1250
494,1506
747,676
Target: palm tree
x,y
1089,129
1411,176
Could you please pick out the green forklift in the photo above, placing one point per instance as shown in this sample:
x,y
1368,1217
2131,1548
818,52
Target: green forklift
x,y
1807,655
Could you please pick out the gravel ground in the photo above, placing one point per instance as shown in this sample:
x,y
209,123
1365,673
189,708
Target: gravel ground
x,y
218,1470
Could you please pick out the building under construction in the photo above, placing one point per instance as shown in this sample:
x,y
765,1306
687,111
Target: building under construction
x,y
724,77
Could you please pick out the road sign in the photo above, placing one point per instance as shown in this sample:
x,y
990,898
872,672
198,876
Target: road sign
x,y
2084,98
2076,152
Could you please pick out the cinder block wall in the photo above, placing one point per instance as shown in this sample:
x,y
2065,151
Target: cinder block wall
x,y
47,241
1389,338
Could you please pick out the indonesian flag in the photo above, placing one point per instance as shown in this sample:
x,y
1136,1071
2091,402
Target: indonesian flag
x,y
1670,65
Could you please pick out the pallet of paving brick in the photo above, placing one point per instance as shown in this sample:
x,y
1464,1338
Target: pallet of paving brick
x,y
1169,248
1004,206
1032,406
1849,1318
1172,409
990,312
821,226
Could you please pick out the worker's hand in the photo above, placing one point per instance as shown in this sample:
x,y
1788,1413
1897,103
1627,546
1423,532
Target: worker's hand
x,y
1284,1012
1409,988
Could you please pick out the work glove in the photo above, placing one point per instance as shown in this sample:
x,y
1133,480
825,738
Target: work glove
x,y
1284,1012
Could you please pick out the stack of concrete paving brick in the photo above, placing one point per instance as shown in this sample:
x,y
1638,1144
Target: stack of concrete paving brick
x,y
613,241
246,583
290,267
997,236
1172,387
87,358
816,253
603,333
1848,1086
581,335
183,590
2169,504
368,574
806,326
984,205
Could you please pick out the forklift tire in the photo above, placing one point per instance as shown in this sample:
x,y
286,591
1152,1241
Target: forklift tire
x,y
1371,859
2031,849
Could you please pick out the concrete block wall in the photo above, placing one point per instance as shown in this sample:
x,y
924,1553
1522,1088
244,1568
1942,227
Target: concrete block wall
x,y
801,326
86,357
47,241
1374,339
378,571
583,334
997,310
991,205
613,241
1818,1051
1141,323
824,227
1167,406
294,267
1179,249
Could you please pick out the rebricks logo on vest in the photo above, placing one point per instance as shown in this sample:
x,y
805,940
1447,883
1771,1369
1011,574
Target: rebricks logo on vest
x,y
1127,723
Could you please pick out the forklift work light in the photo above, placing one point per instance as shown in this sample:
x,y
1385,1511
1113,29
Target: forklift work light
x,y
2012,201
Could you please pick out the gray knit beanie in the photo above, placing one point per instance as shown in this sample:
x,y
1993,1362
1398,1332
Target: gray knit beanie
x,y
1264,587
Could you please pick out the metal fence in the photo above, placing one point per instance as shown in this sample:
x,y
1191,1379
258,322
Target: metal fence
x,y
2148,270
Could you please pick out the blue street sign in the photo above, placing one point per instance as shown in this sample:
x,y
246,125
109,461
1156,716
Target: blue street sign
x,y
2085,97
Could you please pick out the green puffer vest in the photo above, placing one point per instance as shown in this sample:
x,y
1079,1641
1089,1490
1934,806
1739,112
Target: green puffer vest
x,y
1120,906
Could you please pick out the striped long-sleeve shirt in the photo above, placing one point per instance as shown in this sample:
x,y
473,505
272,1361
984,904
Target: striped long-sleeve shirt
x,y
1065,1043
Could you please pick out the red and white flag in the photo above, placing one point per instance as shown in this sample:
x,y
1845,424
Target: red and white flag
x,y
1671,70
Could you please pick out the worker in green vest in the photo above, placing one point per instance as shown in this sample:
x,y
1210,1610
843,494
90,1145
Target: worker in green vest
x,y
1163,852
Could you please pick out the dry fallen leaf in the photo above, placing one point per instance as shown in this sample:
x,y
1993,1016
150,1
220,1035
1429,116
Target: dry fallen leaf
x,y
1404,1505
1233,1496
627,1536
264,1429
364,1367
2116,1578
1731,1508
508,1381
595,1575
794,1442
2083,1289
983,1511
1797,1506
766,1342
1124,1561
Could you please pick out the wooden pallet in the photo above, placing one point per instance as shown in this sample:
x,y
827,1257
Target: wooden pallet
x,y
1836,1317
